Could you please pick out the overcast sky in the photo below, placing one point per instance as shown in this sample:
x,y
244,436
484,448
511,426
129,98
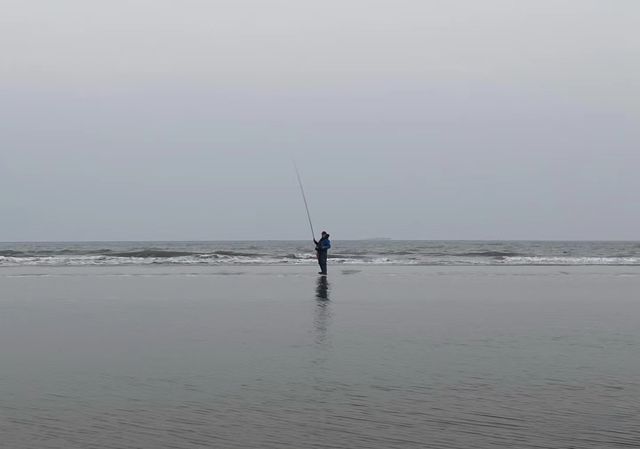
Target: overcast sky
x,y
178,120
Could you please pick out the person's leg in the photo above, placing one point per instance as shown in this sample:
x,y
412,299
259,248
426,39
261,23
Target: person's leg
x,y
323,261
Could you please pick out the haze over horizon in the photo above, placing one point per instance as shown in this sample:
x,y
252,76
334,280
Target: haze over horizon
x,y
160,120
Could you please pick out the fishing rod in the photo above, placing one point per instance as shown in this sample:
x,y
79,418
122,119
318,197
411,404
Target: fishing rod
x,y
304,198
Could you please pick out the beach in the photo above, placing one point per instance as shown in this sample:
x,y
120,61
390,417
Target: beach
x,y
276,356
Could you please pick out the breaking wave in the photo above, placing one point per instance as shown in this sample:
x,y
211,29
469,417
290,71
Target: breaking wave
x,y
347,253
537,260
151,253
490,254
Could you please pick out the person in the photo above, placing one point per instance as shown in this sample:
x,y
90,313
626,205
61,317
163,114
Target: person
x,y
322,248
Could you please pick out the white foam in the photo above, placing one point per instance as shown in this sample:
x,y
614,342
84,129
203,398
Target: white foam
x,y
538,260
303,259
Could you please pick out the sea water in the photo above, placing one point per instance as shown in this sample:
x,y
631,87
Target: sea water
x,y
370,252
163,355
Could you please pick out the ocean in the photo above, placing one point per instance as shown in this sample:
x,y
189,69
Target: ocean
x,y
404,345
361,252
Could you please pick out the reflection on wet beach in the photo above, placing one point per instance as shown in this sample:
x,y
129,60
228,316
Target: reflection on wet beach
x,y
322,288
322,311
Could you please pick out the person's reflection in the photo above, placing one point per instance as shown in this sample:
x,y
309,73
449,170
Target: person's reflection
x,y
323,311
322,288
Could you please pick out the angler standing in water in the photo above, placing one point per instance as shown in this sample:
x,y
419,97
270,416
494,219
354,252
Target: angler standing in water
x,y
322,245
322,248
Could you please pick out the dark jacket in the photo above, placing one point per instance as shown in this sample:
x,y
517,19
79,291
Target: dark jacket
x,y
323,244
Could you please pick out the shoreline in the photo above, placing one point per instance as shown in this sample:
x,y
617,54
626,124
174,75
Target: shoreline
x,y
310,270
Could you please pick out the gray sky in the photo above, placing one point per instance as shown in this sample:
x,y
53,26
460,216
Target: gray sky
x,y
467,119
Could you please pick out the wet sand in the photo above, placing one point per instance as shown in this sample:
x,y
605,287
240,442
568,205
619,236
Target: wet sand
x,y
275,356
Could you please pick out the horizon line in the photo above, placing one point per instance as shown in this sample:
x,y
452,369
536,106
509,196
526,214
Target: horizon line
x,y
302,240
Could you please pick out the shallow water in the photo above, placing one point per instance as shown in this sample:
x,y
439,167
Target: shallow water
x,y
359,252
371,357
